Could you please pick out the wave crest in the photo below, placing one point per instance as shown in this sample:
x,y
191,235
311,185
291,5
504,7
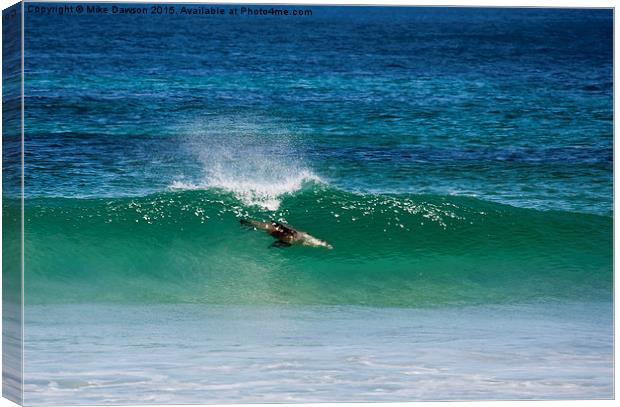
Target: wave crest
x,y
266,193
256,158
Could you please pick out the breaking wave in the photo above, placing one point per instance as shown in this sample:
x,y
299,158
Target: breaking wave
x,y
255,160
389,250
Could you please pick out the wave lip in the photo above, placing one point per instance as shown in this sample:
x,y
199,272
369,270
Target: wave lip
x,y
263,193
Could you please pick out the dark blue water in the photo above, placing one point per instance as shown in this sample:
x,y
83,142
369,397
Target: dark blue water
x,y
508,105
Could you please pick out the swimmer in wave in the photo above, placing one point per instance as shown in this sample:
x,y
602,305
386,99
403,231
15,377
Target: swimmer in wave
x,y
285,234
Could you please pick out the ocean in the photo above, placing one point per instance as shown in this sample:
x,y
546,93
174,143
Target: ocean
x,y
458,160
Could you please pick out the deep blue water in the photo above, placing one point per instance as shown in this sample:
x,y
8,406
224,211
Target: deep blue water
x,y
508,105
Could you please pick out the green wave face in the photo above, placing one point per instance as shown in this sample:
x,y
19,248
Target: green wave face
x,y
389,250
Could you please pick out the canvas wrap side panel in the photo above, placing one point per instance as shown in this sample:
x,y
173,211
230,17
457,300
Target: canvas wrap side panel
x,y
12,208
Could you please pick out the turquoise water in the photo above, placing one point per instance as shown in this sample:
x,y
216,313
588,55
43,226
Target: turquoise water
x,y
460,162
234,354
389,250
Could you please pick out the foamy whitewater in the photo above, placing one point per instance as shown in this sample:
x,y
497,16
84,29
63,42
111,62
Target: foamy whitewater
x,y
316,354
263,192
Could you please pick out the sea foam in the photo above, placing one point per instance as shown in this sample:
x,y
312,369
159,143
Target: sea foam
x,y
256,159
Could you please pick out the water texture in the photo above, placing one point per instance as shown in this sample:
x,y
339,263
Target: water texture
x,y
459,160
